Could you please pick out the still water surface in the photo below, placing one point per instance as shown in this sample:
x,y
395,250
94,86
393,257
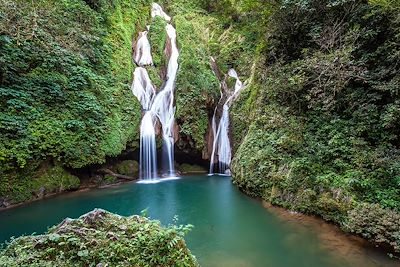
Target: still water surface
x,y
231,229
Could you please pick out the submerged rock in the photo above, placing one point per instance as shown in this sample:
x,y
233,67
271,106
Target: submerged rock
x,y
100,238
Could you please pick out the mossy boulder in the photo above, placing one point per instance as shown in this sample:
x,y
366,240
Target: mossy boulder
x,y
100,238
128,167
109,179
55,179
32,183
188,168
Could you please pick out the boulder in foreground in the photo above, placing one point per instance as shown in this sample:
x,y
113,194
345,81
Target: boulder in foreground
x,y
100,238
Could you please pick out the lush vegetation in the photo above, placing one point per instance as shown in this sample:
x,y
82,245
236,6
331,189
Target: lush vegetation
x,y
48,179
196,87
65,73
100,238
157,38
64,90
323,105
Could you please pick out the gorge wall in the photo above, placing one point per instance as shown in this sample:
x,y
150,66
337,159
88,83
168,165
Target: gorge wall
x,y
317,128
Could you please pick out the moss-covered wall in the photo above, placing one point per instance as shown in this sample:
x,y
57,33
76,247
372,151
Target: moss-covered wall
x,y
65,74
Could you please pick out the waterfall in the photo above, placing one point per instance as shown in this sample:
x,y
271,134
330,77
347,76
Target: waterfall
x,y
156,10
238,85
142,87
148,152
143,50
221,143
163,105
157,106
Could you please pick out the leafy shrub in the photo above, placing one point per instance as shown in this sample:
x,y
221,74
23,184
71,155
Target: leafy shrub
x,y
375,223
109,179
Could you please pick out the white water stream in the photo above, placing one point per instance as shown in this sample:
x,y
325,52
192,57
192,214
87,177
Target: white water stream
x,y
163,105
143,50
142,88
221,152
158,107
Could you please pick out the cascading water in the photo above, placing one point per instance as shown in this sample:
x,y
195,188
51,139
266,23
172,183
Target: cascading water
x,y
221,143
156,10
163,105
142,87
143,50
148,152
157,106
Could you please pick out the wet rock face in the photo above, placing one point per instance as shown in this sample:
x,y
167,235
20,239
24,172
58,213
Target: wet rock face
x,y
207,151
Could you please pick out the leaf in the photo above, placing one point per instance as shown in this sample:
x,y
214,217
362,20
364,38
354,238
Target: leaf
x,y
83,253
54,237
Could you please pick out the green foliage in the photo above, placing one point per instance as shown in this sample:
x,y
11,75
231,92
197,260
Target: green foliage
x,y
30,183
63,91
318,125
155,76
386,4
109,179
100,237
375,223
158,38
